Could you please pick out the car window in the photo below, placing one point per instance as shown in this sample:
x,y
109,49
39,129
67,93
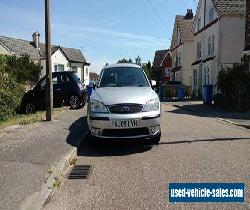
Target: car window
x,y
75,78
43,84
64,78
123,77
55,79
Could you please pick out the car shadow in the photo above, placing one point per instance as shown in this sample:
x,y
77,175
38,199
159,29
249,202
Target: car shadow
x,y
77,132
86,146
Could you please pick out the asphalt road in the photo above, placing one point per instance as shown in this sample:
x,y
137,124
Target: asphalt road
x,y
28,152
127,176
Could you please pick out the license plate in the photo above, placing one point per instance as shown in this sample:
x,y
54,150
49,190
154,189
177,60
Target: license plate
x,y
125,123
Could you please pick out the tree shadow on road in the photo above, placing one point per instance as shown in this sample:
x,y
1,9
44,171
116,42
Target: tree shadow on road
x,y
201,110
203,140
86,146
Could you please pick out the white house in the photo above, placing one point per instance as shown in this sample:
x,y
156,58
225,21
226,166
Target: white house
x,y
219,34
182,46
62,58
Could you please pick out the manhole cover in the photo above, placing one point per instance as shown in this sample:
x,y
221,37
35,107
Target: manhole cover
x,y
80,172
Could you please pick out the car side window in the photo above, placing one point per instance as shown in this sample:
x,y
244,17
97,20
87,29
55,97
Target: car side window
x,y
65,78
43,84
55,80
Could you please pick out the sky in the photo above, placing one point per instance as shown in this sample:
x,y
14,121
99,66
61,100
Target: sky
x,y
105,30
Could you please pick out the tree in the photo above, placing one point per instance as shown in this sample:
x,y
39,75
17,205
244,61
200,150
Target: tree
x,y
11,92
22,69
124,60
138,60
148,69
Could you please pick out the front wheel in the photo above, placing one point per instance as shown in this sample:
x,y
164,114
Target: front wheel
x,y
74,102
30,108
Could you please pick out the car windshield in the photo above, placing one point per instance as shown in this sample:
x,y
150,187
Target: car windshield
x,y
75,77
123,77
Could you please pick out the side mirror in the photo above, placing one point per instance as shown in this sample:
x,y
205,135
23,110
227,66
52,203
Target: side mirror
x,y
153,83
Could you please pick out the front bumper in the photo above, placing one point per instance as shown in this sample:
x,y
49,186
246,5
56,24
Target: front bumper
x,y
101,126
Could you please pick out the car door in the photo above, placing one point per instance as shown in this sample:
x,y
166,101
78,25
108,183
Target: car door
x,y
66,87
39,94
57,89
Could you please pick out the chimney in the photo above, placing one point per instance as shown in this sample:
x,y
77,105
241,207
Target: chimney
x,y
189,15
36,39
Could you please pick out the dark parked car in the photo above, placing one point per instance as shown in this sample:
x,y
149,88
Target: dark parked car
x,y
67,90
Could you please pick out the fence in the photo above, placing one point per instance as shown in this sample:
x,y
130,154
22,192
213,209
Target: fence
x,y
176,92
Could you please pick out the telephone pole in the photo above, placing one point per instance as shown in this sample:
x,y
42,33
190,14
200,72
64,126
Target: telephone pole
x,y
49,87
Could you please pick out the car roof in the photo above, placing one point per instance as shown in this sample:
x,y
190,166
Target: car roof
x,y
129,65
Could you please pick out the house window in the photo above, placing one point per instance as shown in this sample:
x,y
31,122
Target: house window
x,y
55,80
179,36
180,59
199,24
206,75
177,76
58,67
167,72
74,68
195,78
211,45
211,14
198,50
87,70
82,74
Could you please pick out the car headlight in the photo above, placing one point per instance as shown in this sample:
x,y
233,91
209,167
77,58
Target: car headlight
x,y
98,107
152,105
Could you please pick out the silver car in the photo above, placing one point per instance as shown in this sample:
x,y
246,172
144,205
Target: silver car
x,y
124,105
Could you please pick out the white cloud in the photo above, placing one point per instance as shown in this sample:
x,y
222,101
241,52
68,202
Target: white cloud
x,y
114,37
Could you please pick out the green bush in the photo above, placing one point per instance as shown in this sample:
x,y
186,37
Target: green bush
x,y
22,69
14,72
10,95
234,81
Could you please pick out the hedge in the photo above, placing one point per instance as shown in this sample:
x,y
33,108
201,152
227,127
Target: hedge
x,y
14,72
10,97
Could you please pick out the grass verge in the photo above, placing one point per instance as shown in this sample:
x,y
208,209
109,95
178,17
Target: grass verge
x,y
24,119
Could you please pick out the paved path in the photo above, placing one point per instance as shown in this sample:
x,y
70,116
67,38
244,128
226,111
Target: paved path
x,y
27,153
192,149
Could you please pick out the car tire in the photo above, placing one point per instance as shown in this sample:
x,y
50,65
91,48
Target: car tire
x,y
74,102
30,108
156,139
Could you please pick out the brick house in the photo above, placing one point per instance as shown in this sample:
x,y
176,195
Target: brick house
x,y
162,65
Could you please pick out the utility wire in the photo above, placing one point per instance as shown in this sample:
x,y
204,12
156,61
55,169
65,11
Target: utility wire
x,y
157,14
142,12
